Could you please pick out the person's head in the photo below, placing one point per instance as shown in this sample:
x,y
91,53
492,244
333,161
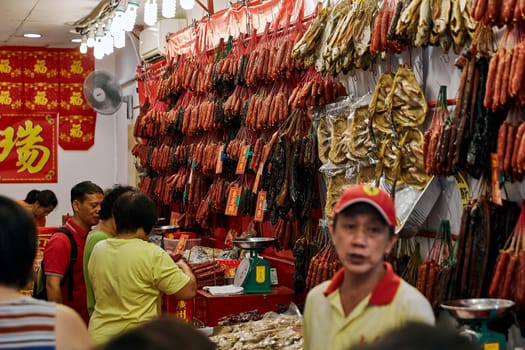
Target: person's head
x,y
31,196
419,336
46,201
85,201
161,334
136,213
363,228
18,243
106,207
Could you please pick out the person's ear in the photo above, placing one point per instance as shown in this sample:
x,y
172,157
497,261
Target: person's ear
x,y
391,244
75,205
140,233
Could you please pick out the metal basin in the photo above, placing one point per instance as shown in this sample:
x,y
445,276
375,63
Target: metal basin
x,y
160,230
481,309
253,242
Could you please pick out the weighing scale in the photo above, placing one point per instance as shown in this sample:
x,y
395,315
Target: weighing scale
x,y
475,314
253,273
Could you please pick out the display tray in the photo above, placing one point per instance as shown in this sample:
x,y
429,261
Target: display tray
x,y
210,308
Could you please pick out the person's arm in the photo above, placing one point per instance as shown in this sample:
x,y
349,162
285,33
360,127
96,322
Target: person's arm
x,y
56,262
54,293
70,330
190,289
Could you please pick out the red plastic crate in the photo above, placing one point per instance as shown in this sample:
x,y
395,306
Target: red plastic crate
x,y
182,309
210,308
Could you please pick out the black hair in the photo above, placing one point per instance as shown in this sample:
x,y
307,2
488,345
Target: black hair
x,y
161,334
134,210
419,336
47,198
18,244
362,208
31,196
106,207
80,190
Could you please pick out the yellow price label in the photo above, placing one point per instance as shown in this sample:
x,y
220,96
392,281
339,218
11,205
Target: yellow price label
x,y
491,346
464,191
260,274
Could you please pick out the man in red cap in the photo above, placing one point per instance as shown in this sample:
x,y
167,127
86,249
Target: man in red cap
x,y
365,299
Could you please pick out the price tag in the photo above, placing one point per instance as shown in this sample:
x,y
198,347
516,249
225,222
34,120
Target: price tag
x,y
463,189
220,159
494,181
243,160
232,205
259,209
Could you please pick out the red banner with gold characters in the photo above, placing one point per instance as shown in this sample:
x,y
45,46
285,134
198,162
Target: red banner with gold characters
x,y
77,132
74,66
41,97
40,66
11,97
72,99
41,80
11,66
28,148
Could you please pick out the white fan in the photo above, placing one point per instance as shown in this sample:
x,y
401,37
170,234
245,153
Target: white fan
x,y
102,92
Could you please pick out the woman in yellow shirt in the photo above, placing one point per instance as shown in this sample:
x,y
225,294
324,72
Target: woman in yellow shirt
x,y
128,274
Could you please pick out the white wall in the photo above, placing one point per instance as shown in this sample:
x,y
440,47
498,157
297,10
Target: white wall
x,y
106,163
96,165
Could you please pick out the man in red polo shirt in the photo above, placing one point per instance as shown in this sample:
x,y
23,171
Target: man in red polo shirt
x,y
85,201
365,299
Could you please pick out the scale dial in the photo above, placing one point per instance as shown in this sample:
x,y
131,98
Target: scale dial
x,y
242,272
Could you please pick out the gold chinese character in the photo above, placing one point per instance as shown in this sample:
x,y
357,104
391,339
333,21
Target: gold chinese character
x,y
32,157
76,99
76,67
40,66
7,143
5,66
40,98
76,131
5,98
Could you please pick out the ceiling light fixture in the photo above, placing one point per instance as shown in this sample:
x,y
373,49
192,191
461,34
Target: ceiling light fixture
x,y
118,21
187,4
32,35
130,16
83,45
119,39
91,38
150,12
169,7
109,22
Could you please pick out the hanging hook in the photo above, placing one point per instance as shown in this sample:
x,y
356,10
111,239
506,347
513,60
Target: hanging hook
x,y
375,73
445,58
354,82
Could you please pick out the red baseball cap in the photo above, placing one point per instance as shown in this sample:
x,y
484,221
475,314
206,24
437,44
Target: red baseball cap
x,y
372,195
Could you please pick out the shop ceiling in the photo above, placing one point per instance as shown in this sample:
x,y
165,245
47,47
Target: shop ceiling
x,y
52,19
45,17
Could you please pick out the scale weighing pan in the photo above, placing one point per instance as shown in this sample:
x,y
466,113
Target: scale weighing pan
x,y
253,243
478,309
